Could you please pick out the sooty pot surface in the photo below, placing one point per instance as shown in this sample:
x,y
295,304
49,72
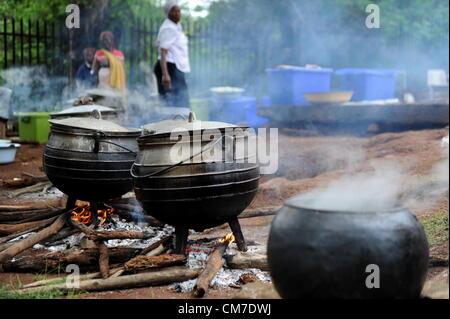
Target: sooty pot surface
x,y
206,186
325,254
90,159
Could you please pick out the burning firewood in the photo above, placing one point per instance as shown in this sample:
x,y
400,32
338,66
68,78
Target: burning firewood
x,y
106,235
213,265
154,278
22,245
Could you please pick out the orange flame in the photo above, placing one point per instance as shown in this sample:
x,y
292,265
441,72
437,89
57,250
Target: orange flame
x,y
83,214
228,239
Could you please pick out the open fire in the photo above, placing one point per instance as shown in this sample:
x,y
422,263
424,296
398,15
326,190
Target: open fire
x,y
229,238
83,214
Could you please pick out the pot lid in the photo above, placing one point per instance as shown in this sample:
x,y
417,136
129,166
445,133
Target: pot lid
x,y
190,124
93,124
84,109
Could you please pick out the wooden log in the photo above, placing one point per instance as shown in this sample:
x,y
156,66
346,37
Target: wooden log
x,y
257,212
64,233
103,259
213,265
6,230
154,278
5,246
129,216
151,262
39,205
157,244
42,178
31,189
55,280
84,258
106,235
157,251
28,242
19,182
9,218
26,231
247,261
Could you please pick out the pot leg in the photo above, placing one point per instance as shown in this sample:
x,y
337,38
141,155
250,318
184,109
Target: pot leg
x,y
95,219
181,238
71,201
237,232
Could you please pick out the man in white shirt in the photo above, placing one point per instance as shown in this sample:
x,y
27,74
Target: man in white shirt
x,y
173,59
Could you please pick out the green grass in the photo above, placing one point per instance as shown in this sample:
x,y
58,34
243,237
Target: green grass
x,y
7,292
436,227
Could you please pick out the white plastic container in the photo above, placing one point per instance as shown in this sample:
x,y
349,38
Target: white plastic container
x,y
8,152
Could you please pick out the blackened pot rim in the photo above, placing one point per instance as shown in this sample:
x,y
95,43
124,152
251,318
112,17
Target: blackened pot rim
x,y
337,211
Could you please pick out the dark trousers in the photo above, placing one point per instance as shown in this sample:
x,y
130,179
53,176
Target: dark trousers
x,y
178,95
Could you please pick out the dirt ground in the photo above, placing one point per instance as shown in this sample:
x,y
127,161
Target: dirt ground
x,y
305,163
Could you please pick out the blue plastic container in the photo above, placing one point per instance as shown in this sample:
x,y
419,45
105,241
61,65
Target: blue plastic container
x,y
287,86
232,110
368,84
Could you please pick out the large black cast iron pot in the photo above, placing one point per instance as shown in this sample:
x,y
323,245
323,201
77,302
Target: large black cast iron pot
x,y
315,253
196,178
90,159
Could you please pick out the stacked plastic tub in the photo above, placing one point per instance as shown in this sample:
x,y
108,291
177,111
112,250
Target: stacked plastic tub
x,y
287,86
238,110
368,84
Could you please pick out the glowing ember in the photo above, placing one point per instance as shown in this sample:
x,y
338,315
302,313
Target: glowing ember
x,y
83,214
228,239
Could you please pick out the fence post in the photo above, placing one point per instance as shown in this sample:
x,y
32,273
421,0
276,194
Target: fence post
x,y
5,42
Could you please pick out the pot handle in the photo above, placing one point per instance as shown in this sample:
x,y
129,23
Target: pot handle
x,y
98,139
179,115
177,164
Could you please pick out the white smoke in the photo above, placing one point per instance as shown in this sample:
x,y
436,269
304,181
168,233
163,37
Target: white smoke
x,y
386,186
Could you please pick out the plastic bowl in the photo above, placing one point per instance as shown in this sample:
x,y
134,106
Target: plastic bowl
x,y
8,152
329,97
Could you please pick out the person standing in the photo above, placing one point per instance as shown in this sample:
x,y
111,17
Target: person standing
x,y
173,59
108,64
84,77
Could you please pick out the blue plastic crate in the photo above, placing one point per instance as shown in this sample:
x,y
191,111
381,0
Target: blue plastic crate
x,y
288,85
232,110
368,84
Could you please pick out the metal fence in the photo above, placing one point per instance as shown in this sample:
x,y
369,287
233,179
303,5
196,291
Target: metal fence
x,y
213,60
28,43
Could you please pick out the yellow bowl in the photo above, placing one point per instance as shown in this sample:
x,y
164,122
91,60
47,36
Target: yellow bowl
x,y
329,97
